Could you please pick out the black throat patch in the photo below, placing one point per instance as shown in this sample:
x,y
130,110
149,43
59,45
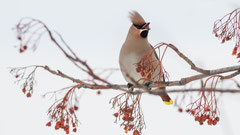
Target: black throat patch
x,y
144,33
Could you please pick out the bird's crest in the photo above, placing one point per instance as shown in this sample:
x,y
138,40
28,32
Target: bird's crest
x,y
136,18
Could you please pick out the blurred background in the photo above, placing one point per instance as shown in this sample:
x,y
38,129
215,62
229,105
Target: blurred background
x,y
95,30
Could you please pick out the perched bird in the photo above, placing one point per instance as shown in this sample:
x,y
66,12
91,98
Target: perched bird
x,y
134,48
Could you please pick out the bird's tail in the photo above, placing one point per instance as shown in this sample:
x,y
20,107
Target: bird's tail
x,y
166,99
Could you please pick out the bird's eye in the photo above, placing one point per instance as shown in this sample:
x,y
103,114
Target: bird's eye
x,y
139,26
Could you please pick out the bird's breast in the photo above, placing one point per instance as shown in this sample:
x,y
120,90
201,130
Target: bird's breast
x,y
128,67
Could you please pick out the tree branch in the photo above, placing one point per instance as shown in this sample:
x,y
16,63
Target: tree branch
x,y
185,58
155,91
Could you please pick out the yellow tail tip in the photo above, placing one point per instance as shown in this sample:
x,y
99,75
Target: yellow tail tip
x,y
168,102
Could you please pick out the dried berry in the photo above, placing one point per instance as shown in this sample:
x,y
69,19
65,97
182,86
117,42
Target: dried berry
x,y
234,52
180,109
115,114
24,90
25,47
217,119
29,95
49,124
75,107
135,132
75,130
21,50
223,41
19,38
99,92
71,110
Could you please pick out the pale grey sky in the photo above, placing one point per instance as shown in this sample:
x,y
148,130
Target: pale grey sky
x,y
96,30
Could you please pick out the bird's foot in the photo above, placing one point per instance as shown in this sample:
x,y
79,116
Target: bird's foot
x,y
147,85
130,86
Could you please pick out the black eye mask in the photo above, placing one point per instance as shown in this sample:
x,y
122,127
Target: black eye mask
x,y
139,26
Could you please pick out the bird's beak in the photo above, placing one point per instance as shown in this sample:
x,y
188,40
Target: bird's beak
x,y
146,26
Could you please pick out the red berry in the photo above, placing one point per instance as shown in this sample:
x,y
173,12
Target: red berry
x,y
238,55
19,38
214,122
71,110
149,76
25,47
130,127
66,128
115,114
58,125
129,110
180,109
21,50
29,95
197,118
135,132
62,124
210,122
17,76
49,124
63,107
67,120
193,112
223,41
207,109
75,107
125,127
99,92
234,52
75,130
24,90
125,118
138,69
217,119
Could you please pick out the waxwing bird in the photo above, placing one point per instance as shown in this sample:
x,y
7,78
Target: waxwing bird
x,y
133,49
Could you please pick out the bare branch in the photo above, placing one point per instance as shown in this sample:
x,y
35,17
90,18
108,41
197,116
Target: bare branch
x,y
180,82
184,57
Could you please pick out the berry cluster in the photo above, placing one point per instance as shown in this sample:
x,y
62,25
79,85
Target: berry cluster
x,y
26,80
151,67
129,112
228,28
127,117
29,32
211,121
127,120
205,116
63,121
145,68
62,113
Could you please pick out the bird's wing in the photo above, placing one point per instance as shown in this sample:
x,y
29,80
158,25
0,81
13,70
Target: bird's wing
x,y
155,53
